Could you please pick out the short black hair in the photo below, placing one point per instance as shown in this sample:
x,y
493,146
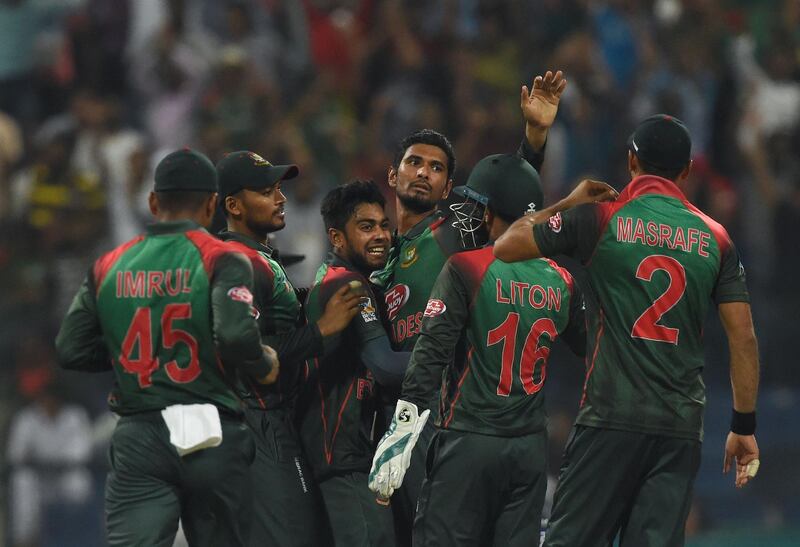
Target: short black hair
x,y
427,136
670,174
340,203
181,202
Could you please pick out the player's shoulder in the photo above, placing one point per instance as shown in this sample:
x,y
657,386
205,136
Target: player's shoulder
x,y
719,231
106,261
472,265
257,259
214,252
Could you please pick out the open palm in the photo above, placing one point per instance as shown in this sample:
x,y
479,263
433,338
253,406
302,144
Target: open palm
x,y
540,103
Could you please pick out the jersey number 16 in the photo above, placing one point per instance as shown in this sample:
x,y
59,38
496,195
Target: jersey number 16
x,y
533,352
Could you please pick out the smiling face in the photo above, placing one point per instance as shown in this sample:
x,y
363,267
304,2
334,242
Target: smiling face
x,y
421,179
366,238
259,212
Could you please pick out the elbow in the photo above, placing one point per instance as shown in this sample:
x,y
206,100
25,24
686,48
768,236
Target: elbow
x,y
505,250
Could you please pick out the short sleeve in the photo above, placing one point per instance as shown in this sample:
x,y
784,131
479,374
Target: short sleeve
x,y
731,285
574,233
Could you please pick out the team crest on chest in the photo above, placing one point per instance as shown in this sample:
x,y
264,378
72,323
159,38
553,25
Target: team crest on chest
x,y
409,257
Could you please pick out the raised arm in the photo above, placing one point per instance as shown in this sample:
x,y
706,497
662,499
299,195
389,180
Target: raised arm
x,y
518,243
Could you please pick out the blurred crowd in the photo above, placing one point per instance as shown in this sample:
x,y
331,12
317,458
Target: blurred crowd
x,y
93,93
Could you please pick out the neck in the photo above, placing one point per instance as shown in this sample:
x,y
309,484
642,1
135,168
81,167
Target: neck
x,y
353,263
177,216
241,228
406,218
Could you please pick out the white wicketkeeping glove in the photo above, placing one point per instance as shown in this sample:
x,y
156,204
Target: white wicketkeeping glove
x,y
393,455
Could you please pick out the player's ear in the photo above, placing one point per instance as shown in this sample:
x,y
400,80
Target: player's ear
x,y
152,202
633,164
211,205
232,206
336,238
391,177
685,173
447,188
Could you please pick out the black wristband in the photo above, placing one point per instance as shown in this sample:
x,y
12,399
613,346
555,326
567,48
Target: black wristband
x,y
743,423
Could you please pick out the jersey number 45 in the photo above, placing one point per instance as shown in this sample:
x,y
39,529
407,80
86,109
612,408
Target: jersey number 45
x,y
140,334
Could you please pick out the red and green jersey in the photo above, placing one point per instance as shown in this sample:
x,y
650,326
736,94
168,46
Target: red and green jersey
x,y
508,317
171,313
337,406
281,322
654,264
414,263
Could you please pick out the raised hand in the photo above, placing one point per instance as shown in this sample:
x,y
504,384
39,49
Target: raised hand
x,y
540,103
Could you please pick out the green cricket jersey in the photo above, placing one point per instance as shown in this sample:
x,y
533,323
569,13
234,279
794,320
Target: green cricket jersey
x,y
415,261
509,315
171,314
336,409
281,322
654,263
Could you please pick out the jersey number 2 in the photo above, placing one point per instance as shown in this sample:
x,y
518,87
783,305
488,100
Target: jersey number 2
x,y
647,326
532,352
140,333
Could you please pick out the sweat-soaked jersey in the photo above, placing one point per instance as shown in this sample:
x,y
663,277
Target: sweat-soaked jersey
x,y
415,260
337,408
281,322
509,316
654,264
171,313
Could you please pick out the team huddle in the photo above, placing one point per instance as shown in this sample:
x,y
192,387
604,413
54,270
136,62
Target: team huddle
x,y
400,399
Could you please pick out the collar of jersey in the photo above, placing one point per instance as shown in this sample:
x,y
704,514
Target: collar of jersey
x,y
338,262
420,226
227,235
172,227
650,184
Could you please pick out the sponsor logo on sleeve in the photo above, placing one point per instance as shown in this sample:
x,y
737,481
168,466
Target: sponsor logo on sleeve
x,y
240,294
435,307
367,310
396,298
555,223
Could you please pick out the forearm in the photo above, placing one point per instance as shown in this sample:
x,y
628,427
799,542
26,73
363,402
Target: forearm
x,y
387,366
296,345
537,138
79,343
744,373
738,324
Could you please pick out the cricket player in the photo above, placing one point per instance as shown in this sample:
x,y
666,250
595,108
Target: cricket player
x,y
654,262
338,407
286,509
171,314
493,324
421,175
